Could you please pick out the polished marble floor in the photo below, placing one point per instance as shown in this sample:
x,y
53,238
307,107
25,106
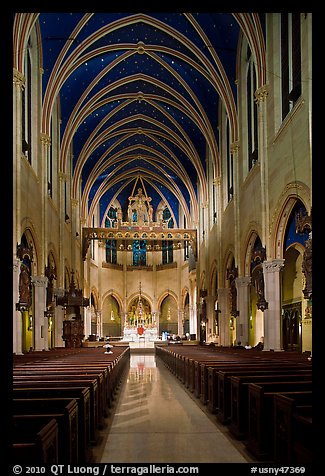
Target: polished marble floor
x,y
156,420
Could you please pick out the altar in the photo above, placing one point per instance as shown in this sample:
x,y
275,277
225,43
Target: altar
x,y
135,334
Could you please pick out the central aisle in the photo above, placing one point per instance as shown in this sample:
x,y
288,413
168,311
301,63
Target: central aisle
x,y
156,421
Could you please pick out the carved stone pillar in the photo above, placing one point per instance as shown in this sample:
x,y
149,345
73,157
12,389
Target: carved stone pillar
x,y
40,322
272,315
242,326
223,303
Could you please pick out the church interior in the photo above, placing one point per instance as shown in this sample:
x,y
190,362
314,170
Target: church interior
x,y
162,191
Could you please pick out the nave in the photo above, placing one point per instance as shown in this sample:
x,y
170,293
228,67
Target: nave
x,y
156,420
164,404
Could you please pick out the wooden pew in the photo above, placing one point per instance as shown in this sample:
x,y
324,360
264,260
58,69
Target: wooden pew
x,y
195,370
103,373
65,411
34,440
80,394
201,372
260,440
287,434
218,375
238,425
66,373
54,371
39,382
303,438
210,379
227,387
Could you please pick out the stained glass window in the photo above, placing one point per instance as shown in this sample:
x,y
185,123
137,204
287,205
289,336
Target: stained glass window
x,y
111,245
167,246
139,248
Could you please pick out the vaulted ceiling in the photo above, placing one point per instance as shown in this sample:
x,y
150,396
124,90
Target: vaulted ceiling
x,y
139,97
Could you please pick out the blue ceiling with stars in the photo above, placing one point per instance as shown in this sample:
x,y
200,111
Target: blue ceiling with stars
x,y
137,99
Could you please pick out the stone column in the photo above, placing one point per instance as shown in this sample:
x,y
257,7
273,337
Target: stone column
x,y
210,303
272,315
192,319
223,303
18,87
87,322
180,322
75,251
45,150
261,95
17,315
99,321
58,320
193,314
40,321
61,271
242,327
58,332
234,150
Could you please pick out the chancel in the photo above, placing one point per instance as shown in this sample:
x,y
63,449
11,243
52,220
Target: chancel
x,y
162,223
140,322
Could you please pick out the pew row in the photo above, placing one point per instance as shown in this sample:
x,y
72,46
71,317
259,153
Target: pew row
x,y
35,439
89,379
260,440
220,378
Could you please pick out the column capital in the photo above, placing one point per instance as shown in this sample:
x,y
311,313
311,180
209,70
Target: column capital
x,y
63,177
39,281
222,292
234,147
261,94
45,139
273,266
217,181
59,292
74,202
19,79
243,281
